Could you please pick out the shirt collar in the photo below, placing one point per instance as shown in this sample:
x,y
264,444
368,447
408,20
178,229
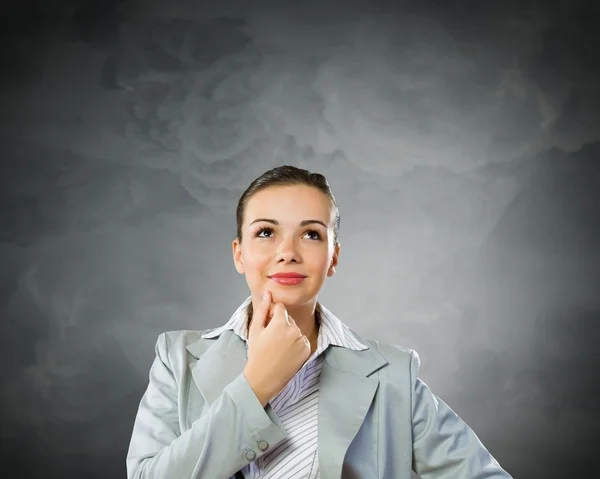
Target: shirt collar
x,y
332,330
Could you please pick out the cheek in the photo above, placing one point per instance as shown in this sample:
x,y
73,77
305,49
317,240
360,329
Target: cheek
x,y
255,261
320,262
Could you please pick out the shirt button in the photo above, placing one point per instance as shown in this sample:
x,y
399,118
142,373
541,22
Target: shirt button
x,y
250,455
263,445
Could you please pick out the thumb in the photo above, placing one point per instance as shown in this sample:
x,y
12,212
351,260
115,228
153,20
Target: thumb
x,y
259,318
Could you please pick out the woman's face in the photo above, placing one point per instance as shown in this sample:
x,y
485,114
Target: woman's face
x,y
275,241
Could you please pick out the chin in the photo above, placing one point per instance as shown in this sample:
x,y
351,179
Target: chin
x,y
290,298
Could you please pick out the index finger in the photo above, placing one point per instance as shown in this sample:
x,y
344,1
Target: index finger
x,y
260,315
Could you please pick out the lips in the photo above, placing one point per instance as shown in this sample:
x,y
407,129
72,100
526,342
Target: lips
x,y
287,276
288,281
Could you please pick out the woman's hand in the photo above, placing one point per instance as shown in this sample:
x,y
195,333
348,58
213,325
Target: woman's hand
x,y
277,349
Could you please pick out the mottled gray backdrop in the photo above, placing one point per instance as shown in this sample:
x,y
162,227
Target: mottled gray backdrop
x,y
461,140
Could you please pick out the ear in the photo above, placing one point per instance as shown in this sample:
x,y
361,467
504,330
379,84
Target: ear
x,y
334,260
236,248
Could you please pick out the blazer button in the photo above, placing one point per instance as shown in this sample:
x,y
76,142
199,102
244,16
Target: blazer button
x,y
263,445
250,455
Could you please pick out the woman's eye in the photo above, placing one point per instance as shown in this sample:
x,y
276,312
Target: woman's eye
x,y
263,230
315,233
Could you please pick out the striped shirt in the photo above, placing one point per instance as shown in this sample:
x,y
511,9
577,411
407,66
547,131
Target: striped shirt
x,y
296,406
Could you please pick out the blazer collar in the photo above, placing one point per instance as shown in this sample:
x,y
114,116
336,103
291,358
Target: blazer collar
x,y
340,413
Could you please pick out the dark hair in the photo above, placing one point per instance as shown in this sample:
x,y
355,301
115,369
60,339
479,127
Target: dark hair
x,y
286,176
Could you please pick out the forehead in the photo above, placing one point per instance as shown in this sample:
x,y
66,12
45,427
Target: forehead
x,y
295,203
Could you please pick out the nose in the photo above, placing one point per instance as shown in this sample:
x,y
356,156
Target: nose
x,y
287,251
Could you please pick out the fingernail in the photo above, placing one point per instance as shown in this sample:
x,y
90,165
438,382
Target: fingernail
x,y
266,294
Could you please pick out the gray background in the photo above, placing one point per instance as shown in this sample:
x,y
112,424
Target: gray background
x,y
460,140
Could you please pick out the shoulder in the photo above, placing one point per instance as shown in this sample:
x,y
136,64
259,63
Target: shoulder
x,y
185,336
175,343
398,357
394,353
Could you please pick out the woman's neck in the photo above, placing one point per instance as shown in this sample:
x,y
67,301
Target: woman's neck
x,y
308,320
309,325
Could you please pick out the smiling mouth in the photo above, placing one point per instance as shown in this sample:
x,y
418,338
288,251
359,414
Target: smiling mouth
x,y
287,281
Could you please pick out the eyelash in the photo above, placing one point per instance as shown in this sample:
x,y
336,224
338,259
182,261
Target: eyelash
x,y
270,230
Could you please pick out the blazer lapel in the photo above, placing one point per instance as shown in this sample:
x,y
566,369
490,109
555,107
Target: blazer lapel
x,y
345,395
219,365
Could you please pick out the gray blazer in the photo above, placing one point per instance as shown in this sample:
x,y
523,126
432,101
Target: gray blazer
x,y
200,419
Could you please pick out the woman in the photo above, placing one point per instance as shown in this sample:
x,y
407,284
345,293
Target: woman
x,y
284,389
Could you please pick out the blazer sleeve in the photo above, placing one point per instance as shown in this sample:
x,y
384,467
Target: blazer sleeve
x,y
218,444
444,446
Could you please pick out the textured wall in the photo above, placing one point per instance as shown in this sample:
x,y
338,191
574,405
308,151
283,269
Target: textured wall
x,y
461,140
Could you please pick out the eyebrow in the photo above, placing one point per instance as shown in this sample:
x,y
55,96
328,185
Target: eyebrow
x,y
302,223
